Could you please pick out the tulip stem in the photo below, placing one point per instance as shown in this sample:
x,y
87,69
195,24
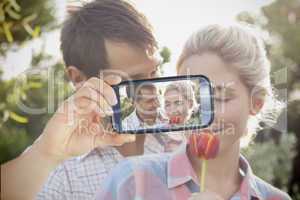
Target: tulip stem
x,y
202,176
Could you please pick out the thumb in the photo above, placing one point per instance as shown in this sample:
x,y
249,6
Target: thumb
x,y
113,140
112,79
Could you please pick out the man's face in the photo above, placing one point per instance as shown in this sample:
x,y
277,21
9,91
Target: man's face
x,y
147,104
124,60
130,62
133,63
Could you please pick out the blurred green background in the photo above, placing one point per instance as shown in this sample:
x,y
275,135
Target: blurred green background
x,y
274,154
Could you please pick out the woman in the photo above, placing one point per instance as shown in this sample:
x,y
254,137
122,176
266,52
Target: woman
x,y
234,59
179,102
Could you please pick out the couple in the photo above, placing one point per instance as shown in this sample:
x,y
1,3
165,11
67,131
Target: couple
x,y
112,36
178,101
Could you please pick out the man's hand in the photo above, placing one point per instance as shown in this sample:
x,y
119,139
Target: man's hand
x,y
80,124
205,196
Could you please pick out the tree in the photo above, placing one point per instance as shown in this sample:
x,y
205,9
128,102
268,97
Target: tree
x,y
23,20
282,20
45,88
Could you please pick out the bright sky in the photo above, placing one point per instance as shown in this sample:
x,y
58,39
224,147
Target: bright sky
x,y
173,20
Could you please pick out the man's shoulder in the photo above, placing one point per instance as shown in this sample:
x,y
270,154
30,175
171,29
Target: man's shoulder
x,y
96,163
94,158
80,176
267,191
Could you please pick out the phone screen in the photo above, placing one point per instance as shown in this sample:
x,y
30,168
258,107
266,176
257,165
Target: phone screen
x,y
163,104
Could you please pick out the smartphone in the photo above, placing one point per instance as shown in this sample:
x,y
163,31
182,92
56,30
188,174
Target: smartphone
x,y
163,104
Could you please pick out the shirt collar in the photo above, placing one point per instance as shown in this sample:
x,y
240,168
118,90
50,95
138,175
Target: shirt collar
x,y
99,151
180,172
134,118
248,189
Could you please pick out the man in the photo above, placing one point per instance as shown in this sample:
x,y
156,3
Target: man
x,y
112,38
146,103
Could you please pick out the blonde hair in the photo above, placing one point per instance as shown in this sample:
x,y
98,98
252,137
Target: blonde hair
x,y
240,47
185,89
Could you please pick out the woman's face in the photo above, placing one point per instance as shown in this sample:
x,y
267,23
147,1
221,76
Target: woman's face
x,y
232,101
176,106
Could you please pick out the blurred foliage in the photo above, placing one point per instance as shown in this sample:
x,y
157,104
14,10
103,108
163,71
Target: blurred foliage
x,y
281,19
279,156
127,107
38,87
23,20
165,54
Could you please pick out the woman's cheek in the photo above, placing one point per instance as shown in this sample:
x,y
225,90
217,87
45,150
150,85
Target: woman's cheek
x,y
235,118
226,117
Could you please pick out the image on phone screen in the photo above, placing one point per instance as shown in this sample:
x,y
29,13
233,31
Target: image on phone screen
x,y
163,104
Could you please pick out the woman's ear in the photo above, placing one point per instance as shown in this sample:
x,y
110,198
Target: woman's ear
x,y
257,102
75,76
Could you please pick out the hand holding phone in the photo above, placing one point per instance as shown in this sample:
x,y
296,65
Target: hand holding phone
x,y
163,104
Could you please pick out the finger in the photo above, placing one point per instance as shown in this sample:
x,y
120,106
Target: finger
x,y
112,79
104,105
95,97
105,139
106,90
84,106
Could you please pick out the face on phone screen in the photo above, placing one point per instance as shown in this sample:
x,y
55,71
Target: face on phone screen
x,y
161,105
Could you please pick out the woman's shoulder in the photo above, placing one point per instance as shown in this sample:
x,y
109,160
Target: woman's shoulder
x,y
148,161
269,192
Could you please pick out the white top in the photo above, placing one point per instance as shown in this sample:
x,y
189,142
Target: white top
x,y
132,122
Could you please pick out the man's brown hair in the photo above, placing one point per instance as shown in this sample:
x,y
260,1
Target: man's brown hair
x,y
84,32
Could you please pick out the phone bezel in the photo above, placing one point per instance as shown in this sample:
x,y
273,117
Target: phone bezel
x,y
204,81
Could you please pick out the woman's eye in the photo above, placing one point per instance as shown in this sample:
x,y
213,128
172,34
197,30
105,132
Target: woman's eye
x,y
222,99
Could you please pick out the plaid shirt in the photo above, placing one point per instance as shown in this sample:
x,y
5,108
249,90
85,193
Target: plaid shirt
x,y
171,177
80,177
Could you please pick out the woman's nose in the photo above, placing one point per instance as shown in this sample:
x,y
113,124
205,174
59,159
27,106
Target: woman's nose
x,y
173,109
157,103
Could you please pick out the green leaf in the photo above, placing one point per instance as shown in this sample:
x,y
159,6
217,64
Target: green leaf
x,y
36,32
18,118
6,29
28,28
2,15
15,5
12,13
30,18
34,85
